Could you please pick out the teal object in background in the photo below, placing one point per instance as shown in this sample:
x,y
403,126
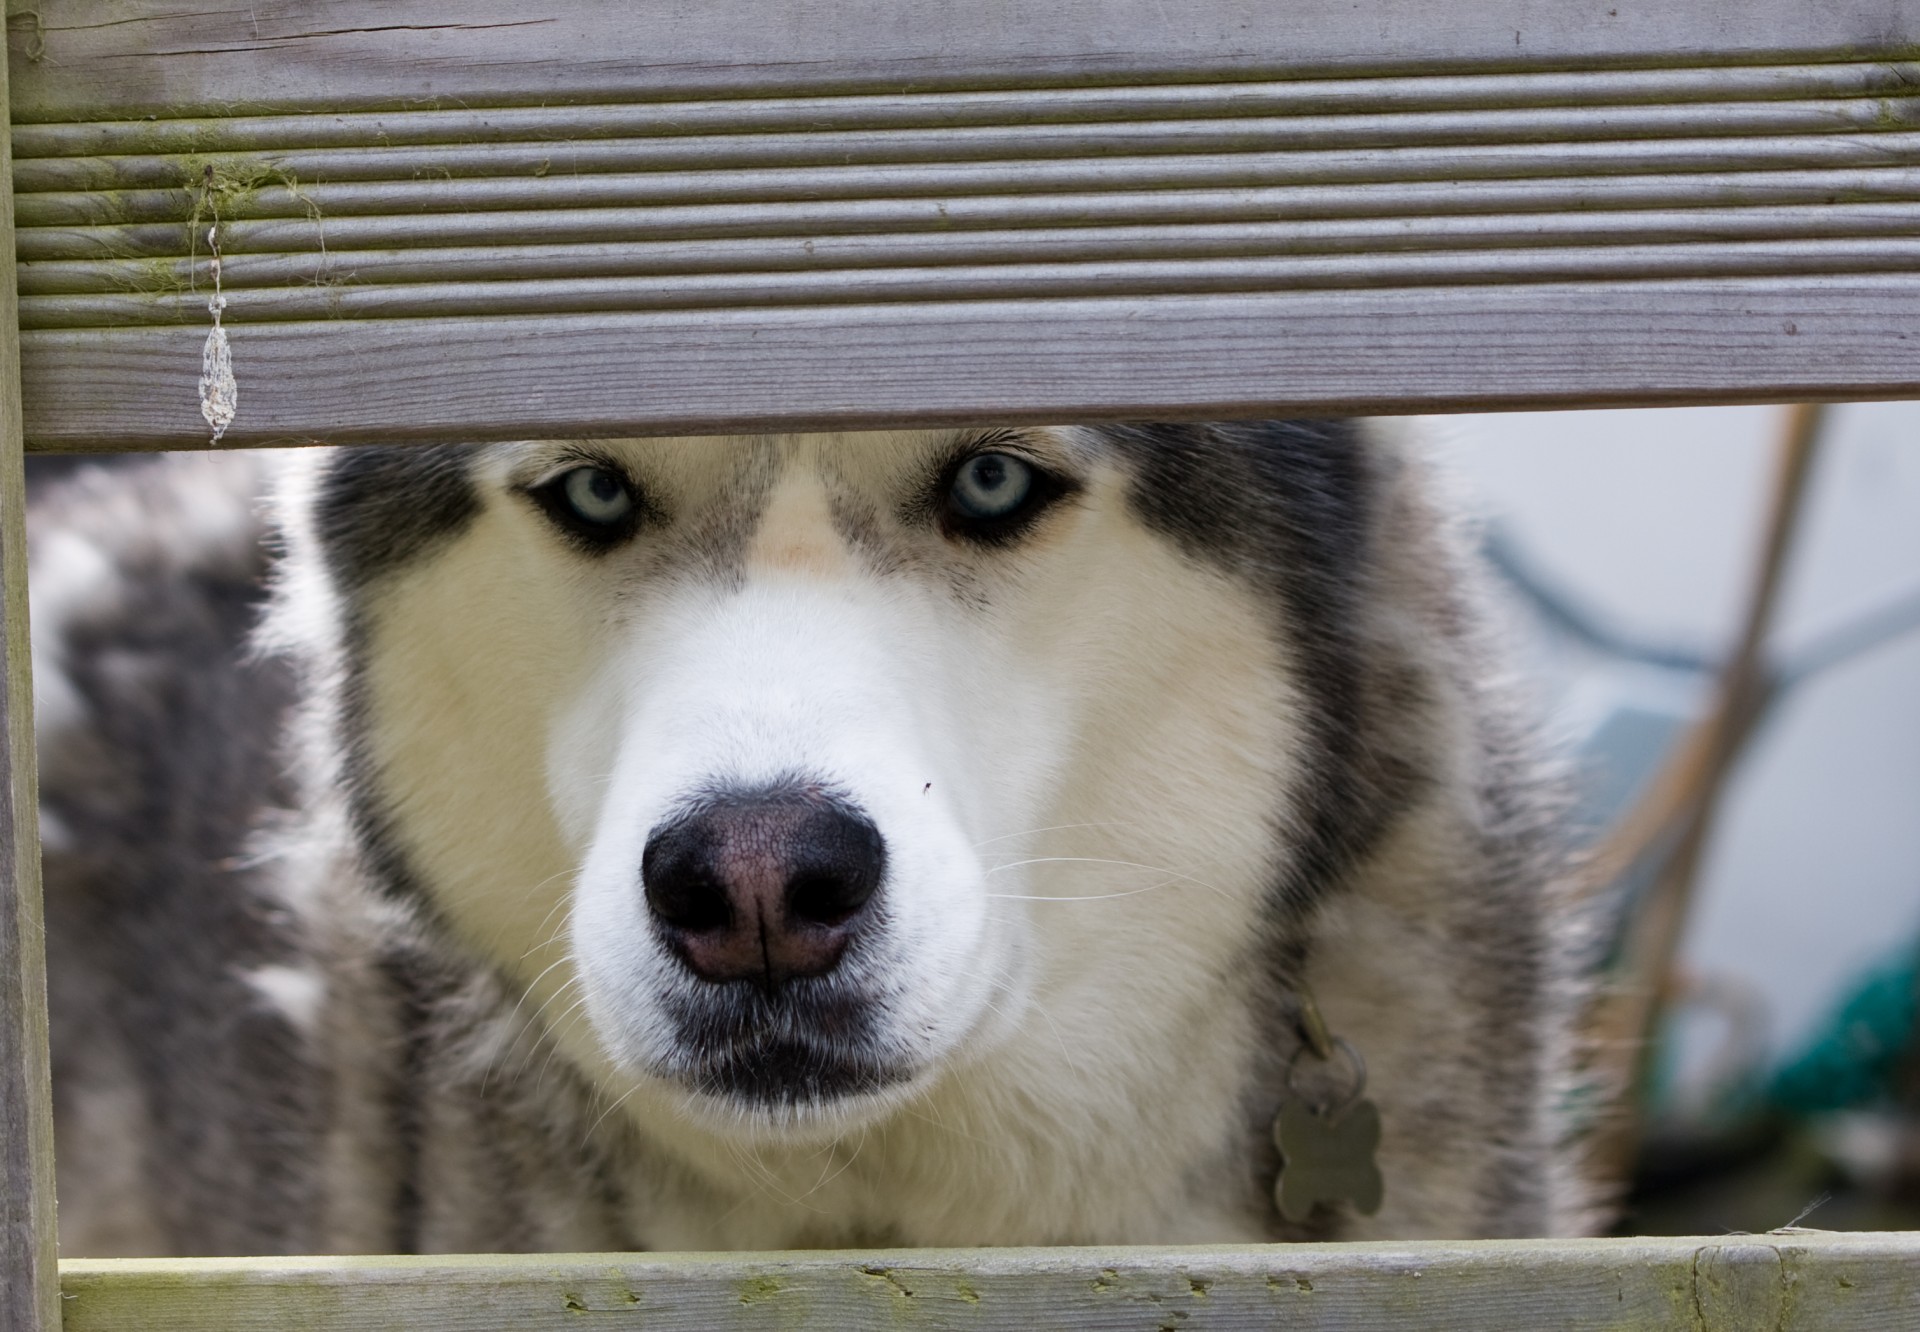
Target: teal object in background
x,y
1856,1056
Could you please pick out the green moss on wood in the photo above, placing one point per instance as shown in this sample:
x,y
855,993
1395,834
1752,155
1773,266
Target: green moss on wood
x,y
222,187
760,1289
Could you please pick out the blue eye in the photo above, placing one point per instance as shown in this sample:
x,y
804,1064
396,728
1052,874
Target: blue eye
x,y
991,485
597,496
596,507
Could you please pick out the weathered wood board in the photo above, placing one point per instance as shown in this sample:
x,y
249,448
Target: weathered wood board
x,y
1470,348
159,55
1801,1282
482,220
29,1297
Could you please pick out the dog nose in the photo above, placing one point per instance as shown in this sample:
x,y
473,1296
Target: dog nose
x,y
768,888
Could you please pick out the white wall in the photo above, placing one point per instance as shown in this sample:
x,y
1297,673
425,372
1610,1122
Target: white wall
x,y
1652,518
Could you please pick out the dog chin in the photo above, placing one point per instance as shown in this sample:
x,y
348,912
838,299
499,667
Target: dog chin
x,y
792,1091
818,1053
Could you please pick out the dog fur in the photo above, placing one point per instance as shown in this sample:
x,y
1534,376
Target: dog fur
x,y
347,947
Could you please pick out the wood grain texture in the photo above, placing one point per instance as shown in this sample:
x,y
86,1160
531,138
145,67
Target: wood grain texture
x,y
159,57
1763,1283
29,1293
1004,281
1211,208
1779,133
853,367
523,187
1656,95
739,257
1562,200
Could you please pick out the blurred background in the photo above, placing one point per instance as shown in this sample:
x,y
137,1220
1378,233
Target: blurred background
x,y
1784,1076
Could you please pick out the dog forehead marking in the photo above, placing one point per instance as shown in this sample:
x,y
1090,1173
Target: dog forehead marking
x,y
797,532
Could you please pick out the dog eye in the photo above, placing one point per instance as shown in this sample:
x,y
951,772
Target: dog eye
x,y
597,495
595,504
992,498
990,485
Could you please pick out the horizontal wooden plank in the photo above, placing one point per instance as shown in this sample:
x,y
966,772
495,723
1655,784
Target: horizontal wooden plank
x,y
1321,147
92,55
616,209
1796,1282
1523,100
1570,197
850,367
1095,171
1657,93
336,267
999,281
1225,216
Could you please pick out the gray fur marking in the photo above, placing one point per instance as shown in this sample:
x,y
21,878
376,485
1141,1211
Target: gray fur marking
x,y
155,911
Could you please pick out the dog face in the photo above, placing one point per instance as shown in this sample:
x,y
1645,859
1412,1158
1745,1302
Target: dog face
x,y
791,775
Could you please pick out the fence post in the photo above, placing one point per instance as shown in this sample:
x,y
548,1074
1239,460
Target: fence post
x,y
29,1282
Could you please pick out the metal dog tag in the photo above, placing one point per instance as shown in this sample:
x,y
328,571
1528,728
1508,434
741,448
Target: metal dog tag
x,y
1327,1158
1327,1149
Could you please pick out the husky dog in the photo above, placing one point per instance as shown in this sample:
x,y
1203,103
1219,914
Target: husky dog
x,y
867,839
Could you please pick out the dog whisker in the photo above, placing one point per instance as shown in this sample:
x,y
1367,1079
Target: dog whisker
x,y
559,903
515,1012
845,1165
551,1034
1035,832
618,1101
1174,876
1079,897
1096,860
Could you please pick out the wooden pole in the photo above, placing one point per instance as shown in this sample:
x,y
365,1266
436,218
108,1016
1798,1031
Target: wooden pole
x,y
29,1281
1675,818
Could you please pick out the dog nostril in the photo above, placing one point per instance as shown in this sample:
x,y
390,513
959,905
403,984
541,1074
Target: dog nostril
x,y
827,899
679,884
769,887
686,898
839,859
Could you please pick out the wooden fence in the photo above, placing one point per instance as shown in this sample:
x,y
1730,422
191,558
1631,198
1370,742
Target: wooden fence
x,y
478,219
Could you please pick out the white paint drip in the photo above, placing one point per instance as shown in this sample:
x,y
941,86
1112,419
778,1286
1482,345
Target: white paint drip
x,y
219,391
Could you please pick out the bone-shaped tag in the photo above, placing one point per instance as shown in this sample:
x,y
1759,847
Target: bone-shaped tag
x,y
1327,1158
